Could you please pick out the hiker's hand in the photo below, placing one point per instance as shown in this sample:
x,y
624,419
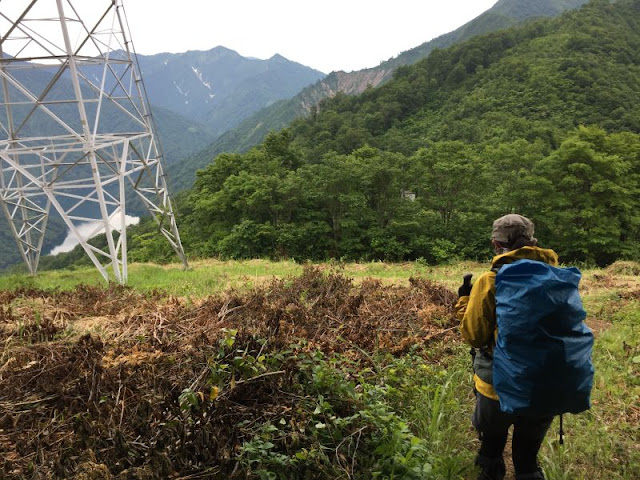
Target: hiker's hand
x,y
465,288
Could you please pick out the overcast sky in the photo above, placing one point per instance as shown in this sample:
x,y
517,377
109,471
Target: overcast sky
x,y
327,35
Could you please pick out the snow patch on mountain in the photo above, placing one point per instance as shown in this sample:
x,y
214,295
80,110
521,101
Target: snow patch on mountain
x,y
202,80
179,89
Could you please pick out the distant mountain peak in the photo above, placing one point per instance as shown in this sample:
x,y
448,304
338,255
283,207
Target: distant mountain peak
x,y
220,50
222,86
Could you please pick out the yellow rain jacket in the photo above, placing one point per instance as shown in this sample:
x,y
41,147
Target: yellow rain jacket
x,y
477,314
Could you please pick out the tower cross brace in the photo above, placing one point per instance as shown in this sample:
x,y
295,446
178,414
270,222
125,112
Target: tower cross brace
x,y
77,137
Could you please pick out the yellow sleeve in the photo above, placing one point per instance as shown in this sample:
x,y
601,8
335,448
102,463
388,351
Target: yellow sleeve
x,y
477,312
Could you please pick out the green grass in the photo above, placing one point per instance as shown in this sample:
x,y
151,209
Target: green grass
x,y
605,442
425,409
199,280
206,277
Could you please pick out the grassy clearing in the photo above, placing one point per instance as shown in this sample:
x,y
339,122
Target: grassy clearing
x,y
359,411
206,277
201,279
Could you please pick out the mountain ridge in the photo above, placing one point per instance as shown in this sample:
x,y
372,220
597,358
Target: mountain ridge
x,y
253,129
219,87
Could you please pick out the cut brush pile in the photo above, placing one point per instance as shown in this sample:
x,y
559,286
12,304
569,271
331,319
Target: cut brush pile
x,y
110,383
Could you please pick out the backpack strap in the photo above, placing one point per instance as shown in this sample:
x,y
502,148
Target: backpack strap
x,y
501,263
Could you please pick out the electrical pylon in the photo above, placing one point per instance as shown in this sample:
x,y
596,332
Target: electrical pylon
x,y
76,132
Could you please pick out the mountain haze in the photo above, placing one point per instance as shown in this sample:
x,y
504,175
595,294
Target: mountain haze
x,y
219,88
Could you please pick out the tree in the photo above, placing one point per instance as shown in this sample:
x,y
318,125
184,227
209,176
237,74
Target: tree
x,y
591,211
450,182
332,187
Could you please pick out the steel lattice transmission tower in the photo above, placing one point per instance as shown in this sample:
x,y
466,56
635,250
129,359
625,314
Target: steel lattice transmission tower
x,y
76,132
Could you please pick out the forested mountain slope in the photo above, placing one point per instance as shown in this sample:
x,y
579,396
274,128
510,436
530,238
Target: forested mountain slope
x,y
219,87
504,14
543,120
252,130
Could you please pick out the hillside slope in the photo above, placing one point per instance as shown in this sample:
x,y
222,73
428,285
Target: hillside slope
x,y
181,376
252,130
541,119
219,87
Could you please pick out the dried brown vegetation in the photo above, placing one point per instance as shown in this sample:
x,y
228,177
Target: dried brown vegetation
x,y
93,381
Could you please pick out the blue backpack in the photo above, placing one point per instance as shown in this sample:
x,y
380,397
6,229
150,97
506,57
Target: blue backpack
x,y
542,359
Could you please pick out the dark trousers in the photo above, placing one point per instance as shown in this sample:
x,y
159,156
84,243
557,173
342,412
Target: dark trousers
x,y
493,426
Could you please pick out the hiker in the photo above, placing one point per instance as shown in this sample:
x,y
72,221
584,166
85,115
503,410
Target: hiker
x,y
512,240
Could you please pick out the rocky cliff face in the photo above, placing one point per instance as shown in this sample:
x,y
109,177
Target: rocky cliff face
x,y
357,82
351,83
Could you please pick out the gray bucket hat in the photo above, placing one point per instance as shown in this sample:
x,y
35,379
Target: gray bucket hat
x,y
510,227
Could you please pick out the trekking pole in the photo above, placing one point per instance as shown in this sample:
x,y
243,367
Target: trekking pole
x,y
561,432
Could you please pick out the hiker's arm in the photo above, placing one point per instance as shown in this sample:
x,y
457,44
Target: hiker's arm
x,y
477,312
